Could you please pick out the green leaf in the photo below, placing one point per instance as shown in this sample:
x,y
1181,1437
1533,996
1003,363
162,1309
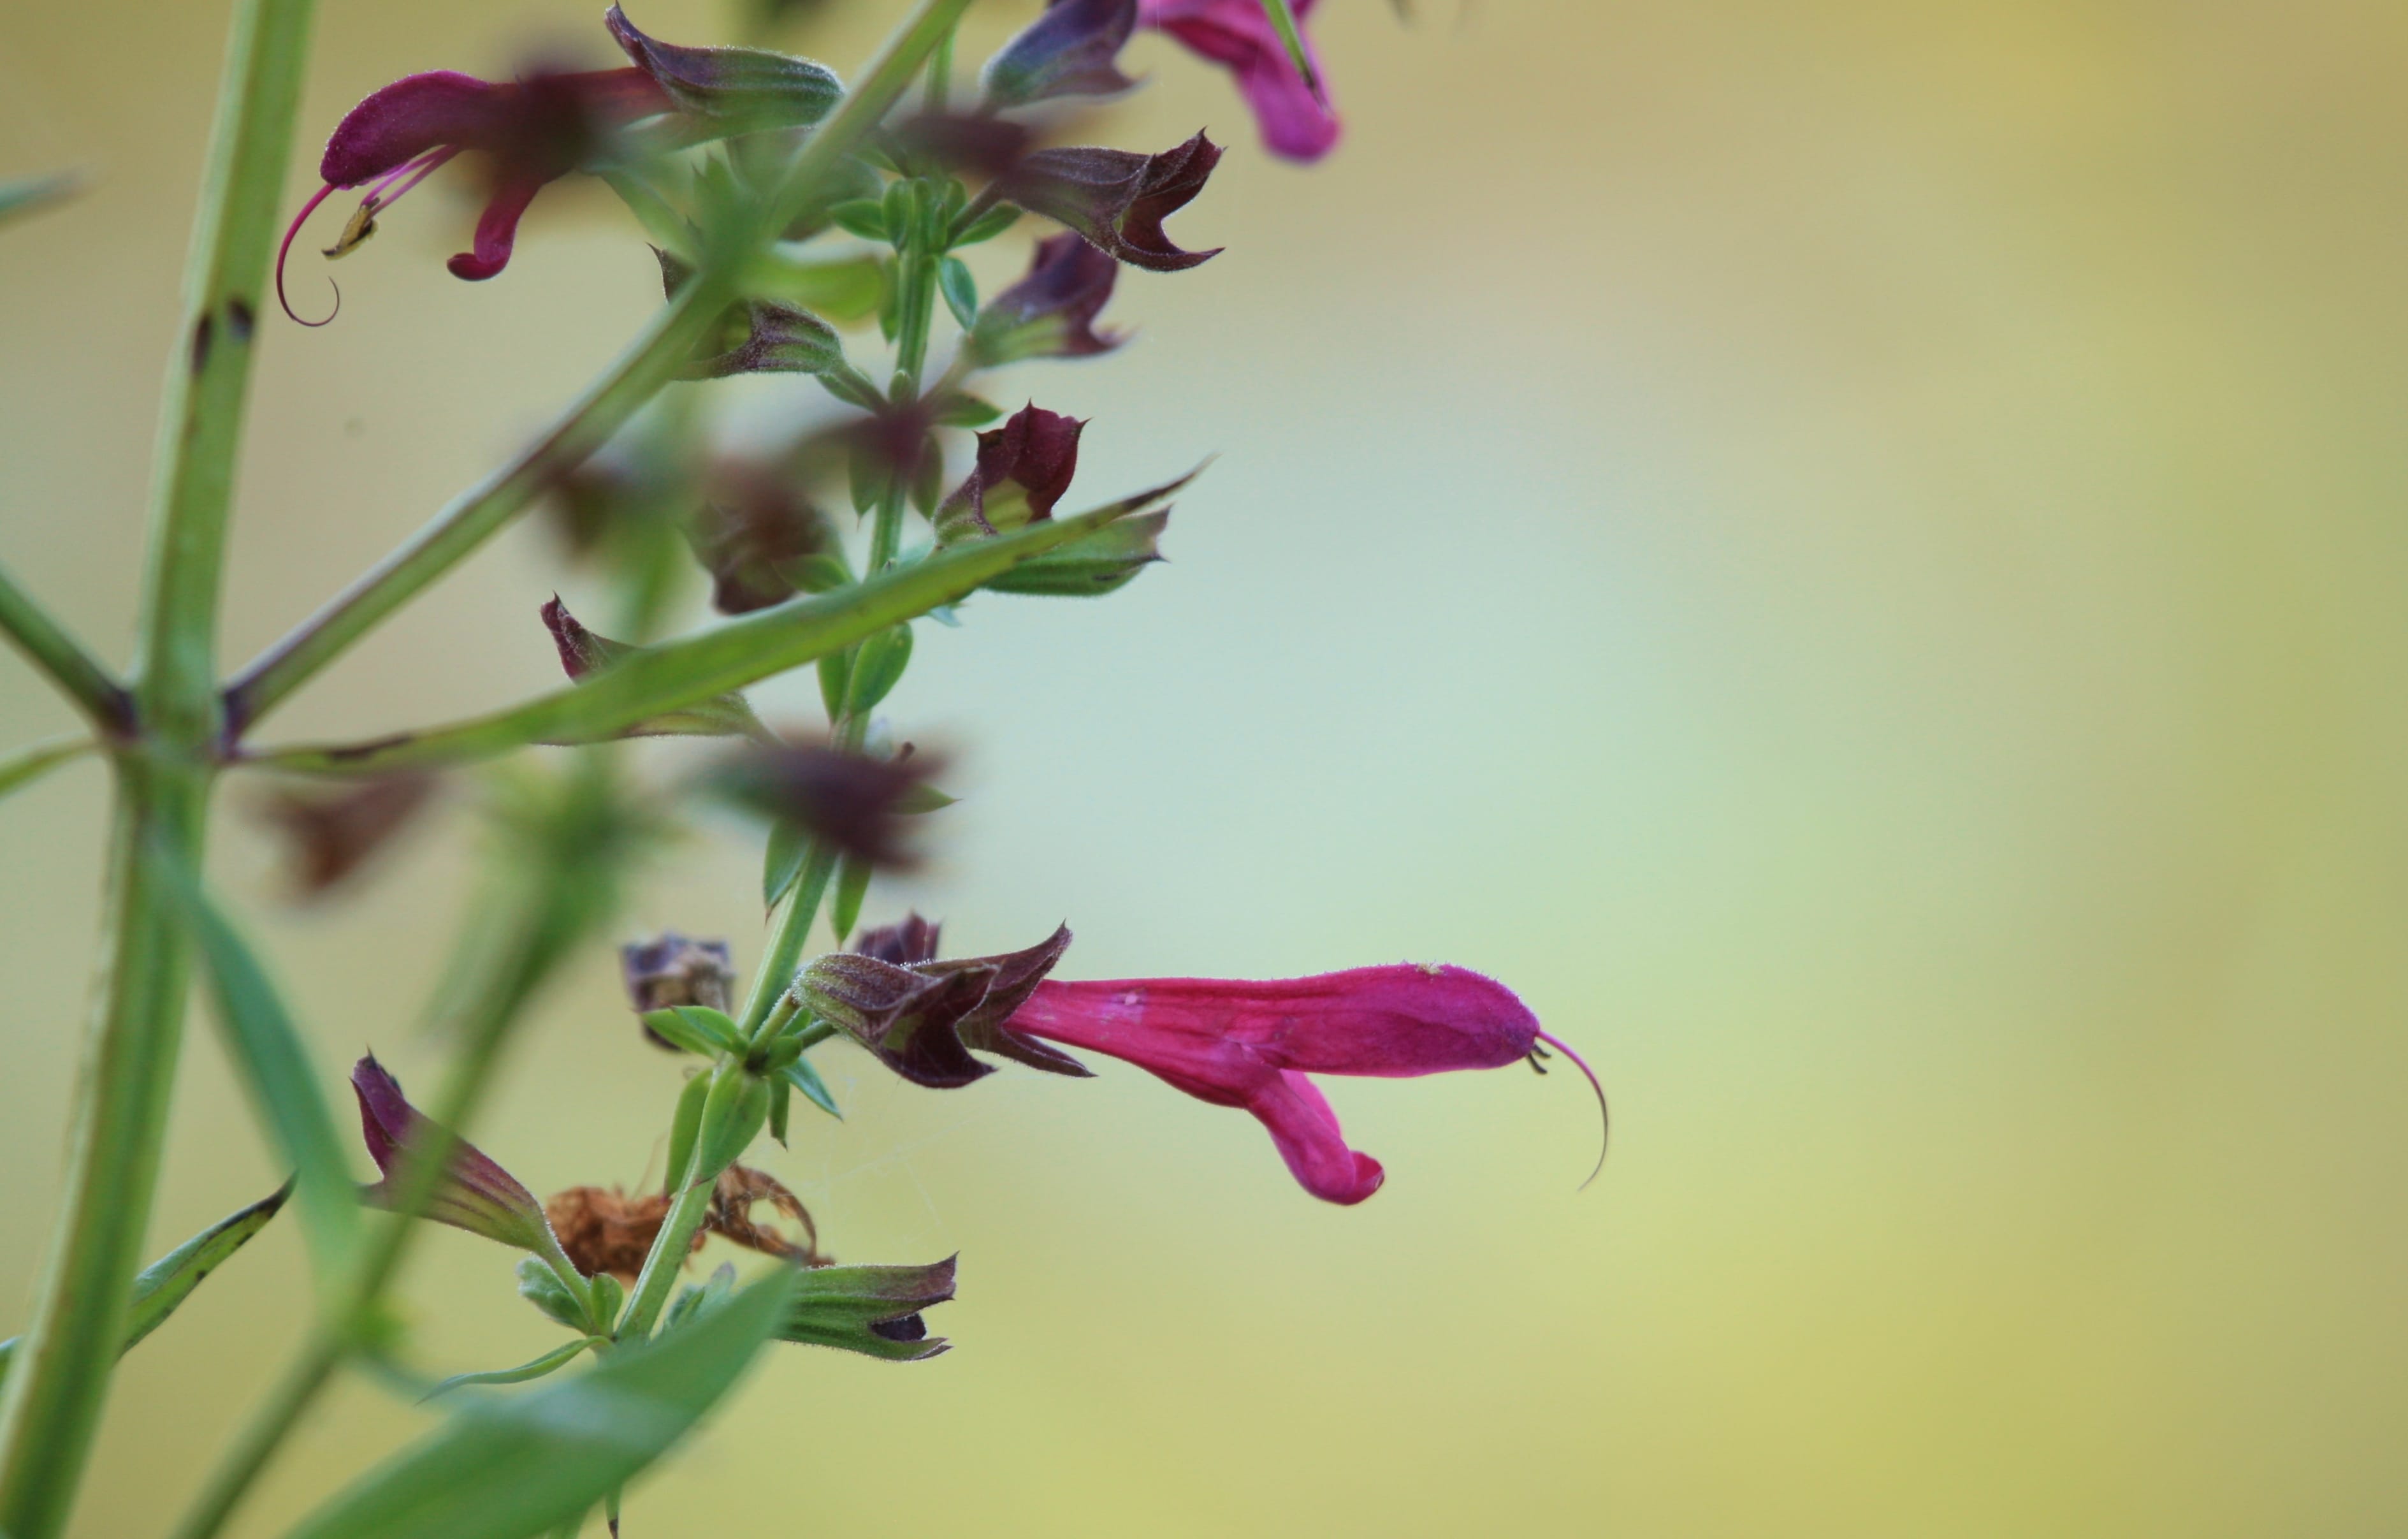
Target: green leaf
x,y
1103,561
803,1077
778,1098
541,1287
845,289
988,225
954,280
684,1127
168,1281
922,798
783,861
277,1070
697,1029
30,763
21,196
960,409
878,667
1284,22
510,1468
852,887
535,1368
680,673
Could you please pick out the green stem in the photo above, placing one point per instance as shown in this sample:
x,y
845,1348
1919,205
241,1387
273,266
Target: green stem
x,y
786,943
54,1398
63,659
662,1263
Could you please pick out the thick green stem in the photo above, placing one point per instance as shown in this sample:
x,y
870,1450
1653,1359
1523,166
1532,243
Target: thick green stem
x,y
55,1395
63,659
660,1264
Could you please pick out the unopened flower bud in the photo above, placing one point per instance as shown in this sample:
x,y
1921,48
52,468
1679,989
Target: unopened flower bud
x,y
873,1310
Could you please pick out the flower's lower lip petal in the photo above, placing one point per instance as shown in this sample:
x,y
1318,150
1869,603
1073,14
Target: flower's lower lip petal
x,y
497,230
1301,1123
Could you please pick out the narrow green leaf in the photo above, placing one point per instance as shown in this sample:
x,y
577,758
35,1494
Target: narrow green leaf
x,y
803,1077
923,798
878,667
846,289
987,225
167,1282
515,1467
1284,22
697,1029
676,674
162,1285
778,1097
284,1083
954,280
30,763
783,861
851,888
21,196
558,1357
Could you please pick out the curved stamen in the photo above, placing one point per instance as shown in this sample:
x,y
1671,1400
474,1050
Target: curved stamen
x,y
1604,1119
290,231
416,170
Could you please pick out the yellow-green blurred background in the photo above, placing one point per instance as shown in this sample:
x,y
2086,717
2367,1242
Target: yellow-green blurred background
x,y
1853,553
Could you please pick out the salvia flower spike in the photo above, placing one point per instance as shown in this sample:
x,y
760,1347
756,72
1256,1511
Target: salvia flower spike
x,y
1293,112
474,1194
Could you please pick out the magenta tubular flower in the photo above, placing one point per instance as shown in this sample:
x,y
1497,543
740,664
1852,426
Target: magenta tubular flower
x,y
533,131
474,1194
1296,120
1251,1045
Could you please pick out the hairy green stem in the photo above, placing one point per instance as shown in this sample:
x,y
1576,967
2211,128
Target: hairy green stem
x,y
54,1398
663,1261
63,659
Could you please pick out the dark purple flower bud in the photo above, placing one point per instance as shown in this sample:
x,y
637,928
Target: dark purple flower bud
x,y
532,130
1292,111
758,535
1023,470
1117,199
583,653
1051,313
738,89
1068,52
871,1310
910,940
674,971
922,1017
857,804
474,1193
330,834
